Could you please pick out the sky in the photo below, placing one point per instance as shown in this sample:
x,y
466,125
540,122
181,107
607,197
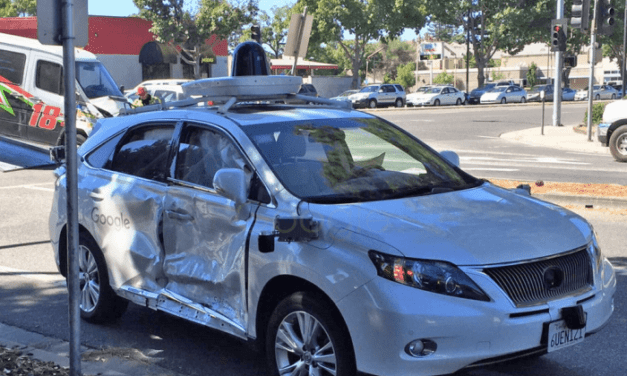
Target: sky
x,y
124,8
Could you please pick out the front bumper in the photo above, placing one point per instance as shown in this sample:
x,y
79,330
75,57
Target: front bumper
x,y
385,317
602,132
357,103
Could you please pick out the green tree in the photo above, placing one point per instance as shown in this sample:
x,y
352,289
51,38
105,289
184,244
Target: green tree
x,y
274,29
173,23
362,21
395,54
444,33
443,78
493,25
7,9
405,75
15,8
532,73
613,44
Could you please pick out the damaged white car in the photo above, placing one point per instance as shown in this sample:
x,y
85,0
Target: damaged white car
x,y
335,239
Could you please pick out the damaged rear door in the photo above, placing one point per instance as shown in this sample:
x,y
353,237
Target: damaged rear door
x,y
205,235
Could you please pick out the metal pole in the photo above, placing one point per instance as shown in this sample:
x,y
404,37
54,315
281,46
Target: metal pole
x,y
622,72
468,50
542,128
72,187
557,99
300,38
593,41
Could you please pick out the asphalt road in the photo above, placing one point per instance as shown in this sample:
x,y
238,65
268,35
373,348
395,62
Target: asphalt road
x,y
474,133
34,298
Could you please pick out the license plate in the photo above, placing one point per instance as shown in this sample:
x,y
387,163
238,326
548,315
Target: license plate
x,y
560,336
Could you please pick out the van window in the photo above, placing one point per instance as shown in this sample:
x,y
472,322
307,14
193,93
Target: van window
x,y
49,77
12,66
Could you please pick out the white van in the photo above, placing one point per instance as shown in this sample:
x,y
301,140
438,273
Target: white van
x,y
31,91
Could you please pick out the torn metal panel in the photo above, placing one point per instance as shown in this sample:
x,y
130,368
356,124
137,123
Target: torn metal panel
x,y
205,249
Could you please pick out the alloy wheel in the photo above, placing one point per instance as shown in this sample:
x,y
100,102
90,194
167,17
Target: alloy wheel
x,y
89,280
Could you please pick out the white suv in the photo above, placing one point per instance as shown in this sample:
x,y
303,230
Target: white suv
x,y
334,239
374,96
612,131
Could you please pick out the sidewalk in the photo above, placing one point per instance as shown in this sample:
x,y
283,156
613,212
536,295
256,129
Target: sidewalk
x,y
52,351
565,138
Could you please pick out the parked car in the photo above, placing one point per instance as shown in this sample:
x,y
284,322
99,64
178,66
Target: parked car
x,y
568,94
435,96
612,131
598,92
344,97
333,238
506,83
307,90
505,94
534,94
475,95
373,96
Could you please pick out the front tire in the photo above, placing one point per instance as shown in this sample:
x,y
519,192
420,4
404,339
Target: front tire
x,y
372,103
305,337
618,144
98,302
503,101
597,97
436,102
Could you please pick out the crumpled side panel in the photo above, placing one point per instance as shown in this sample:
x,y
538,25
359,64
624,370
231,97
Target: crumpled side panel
x,y
205,251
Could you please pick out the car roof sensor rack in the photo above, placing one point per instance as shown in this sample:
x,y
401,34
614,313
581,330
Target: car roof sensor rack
x,y
228,102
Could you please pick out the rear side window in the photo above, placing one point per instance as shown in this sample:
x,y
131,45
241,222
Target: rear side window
x,y
12,66
399,88
49,77
144,152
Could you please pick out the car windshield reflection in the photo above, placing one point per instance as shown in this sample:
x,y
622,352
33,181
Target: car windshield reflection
x,y
331,161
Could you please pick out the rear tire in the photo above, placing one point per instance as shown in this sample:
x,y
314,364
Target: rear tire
x,y
458,102
618,144
523,99
399,102
98,301
306,337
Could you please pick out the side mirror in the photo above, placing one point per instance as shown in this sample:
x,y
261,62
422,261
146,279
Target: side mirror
x,y
231,183
450,156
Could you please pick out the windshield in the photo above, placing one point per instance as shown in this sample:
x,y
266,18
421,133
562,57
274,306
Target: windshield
x,y
353,160
500,88
369,89
486,87
95,80
436,90
422,89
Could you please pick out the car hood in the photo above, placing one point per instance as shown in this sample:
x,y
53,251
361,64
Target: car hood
x,y
421,96
359,96
478,226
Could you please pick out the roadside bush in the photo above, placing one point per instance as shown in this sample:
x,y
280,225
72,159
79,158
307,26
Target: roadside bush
x,y
597,113
443,78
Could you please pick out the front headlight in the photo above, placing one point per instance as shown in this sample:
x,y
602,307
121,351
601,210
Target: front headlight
x,y
434,276
597,255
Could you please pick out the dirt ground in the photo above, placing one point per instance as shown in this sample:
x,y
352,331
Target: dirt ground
x,y
540,187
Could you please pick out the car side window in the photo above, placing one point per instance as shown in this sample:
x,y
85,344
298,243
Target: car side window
x,y
144,152
12,66
49,77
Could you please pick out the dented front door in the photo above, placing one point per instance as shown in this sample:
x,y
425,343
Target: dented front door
x,y
204,234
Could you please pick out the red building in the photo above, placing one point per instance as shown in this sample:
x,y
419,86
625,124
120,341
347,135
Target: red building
x,y
129,50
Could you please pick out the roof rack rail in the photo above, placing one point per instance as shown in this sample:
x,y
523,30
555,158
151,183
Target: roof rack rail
x,y
229,101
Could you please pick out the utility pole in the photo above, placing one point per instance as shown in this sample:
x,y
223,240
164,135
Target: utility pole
x,y
622,72
593,58
557,89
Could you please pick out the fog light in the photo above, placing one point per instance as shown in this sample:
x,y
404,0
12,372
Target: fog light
x,y
421,347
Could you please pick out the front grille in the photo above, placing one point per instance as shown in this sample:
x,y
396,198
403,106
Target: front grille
x,y
527,285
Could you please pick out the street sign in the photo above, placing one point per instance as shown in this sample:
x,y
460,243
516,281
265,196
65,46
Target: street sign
x,y
298,35
50,22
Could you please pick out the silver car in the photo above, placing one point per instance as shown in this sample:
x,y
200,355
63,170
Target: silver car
x,y
598,92
373,96
505,94
334,239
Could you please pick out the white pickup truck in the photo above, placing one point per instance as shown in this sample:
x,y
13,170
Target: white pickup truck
x,y
612,130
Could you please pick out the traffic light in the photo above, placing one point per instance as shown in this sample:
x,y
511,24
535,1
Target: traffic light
x,y
604,14
580,15
558,35
570,61
255,33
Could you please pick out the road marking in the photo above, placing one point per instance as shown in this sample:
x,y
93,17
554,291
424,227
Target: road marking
x,y
48,277
31,186
490,169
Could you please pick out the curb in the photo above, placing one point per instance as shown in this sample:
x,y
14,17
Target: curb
x,y
123,362
585,201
